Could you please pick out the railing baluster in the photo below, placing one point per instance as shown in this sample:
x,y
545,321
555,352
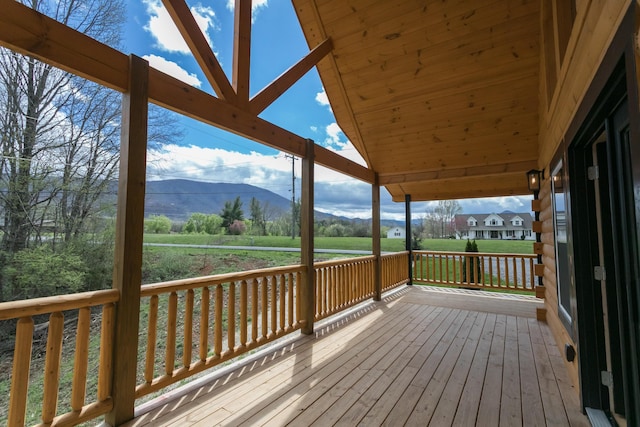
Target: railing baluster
x,y
81,361
204,323
172,317
52,367
106,352
491,272
498,262
217,323
152,329
264,308
231,316
188,330
274,305
20,372
243,314
254,310
290,300
523,274
283,306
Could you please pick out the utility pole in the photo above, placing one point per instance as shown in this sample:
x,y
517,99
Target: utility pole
x,y
293,194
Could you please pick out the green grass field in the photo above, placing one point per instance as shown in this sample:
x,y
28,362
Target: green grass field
x,y
351,243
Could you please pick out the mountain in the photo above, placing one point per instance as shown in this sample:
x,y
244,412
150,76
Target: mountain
x,y
179,198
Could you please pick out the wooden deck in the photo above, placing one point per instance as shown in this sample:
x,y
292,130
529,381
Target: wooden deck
x,y
420,357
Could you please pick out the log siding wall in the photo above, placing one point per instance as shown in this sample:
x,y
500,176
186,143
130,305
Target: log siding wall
x,y
592,31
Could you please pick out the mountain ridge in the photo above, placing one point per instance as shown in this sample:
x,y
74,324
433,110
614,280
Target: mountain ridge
x,y
178,199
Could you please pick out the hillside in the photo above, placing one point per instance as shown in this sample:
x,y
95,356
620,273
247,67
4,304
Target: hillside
x,y
179,198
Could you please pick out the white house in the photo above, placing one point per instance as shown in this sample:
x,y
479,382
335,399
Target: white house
x,y
503,226
396,233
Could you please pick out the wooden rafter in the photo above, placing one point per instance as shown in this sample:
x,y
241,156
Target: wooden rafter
x,y
201,50
242,51
29,32
266,96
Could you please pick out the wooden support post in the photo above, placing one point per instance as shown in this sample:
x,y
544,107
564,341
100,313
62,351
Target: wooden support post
x,y
307,289
127,271
407,213
375,237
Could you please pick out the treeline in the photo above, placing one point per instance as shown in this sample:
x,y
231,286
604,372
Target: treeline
x,y
232,220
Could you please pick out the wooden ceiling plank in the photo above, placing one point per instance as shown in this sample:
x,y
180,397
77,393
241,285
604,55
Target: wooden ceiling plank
x,y
465,60
478,97
275,89
242,52
186,23
28,32
462,129
510,184
452,174
306,11
371,50
381,92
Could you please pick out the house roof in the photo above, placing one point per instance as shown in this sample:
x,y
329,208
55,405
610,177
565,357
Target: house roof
x,y
440,98
460,220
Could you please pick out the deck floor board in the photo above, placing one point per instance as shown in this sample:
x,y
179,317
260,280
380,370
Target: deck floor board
x,y
419,357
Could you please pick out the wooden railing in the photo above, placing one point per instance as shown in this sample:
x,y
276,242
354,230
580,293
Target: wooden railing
x,y
395,270
343,283
77,308
475,270
186,326
238,311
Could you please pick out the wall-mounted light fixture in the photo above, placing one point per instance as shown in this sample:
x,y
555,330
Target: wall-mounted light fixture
x,y
534,178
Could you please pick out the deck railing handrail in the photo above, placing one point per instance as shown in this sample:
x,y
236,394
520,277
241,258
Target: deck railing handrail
x,y
55,306
239,311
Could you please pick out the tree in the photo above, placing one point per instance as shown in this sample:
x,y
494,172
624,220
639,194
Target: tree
x,y
237,227
443,216
203,223
257,216
39,110
158,224
232,211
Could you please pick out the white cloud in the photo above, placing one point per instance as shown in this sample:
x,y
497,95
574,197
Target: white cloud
x,y
218,165
173,69
166,33
266,171
345,148
314,129
323,99
255,6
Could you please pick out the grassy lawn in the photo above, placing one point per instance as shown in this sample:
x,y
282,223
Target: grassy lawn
x,y
351,243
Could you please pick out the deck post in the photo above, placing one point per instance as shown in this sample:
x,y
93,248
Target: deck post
x,y
407,210
375,237
307,288
127,269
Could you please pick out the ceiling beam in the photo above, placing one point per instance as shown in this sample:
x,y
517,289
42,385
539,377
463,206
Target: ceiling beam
x,y
242,52
458,173
200,48
266,96
29,32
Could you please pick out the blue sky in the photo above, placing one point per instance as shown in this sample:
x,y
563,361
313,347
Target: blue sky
x,y
209,154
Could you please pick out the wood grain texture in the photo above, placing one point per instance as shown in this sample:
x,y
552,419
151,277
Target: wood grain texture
x,y
402,360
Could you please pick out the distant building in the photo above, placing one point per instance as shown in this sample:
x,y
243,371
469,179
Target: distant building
x,y
396,233
503,226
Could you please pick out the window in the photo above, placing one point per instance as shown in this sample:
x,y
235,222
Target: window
x,y
563,278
